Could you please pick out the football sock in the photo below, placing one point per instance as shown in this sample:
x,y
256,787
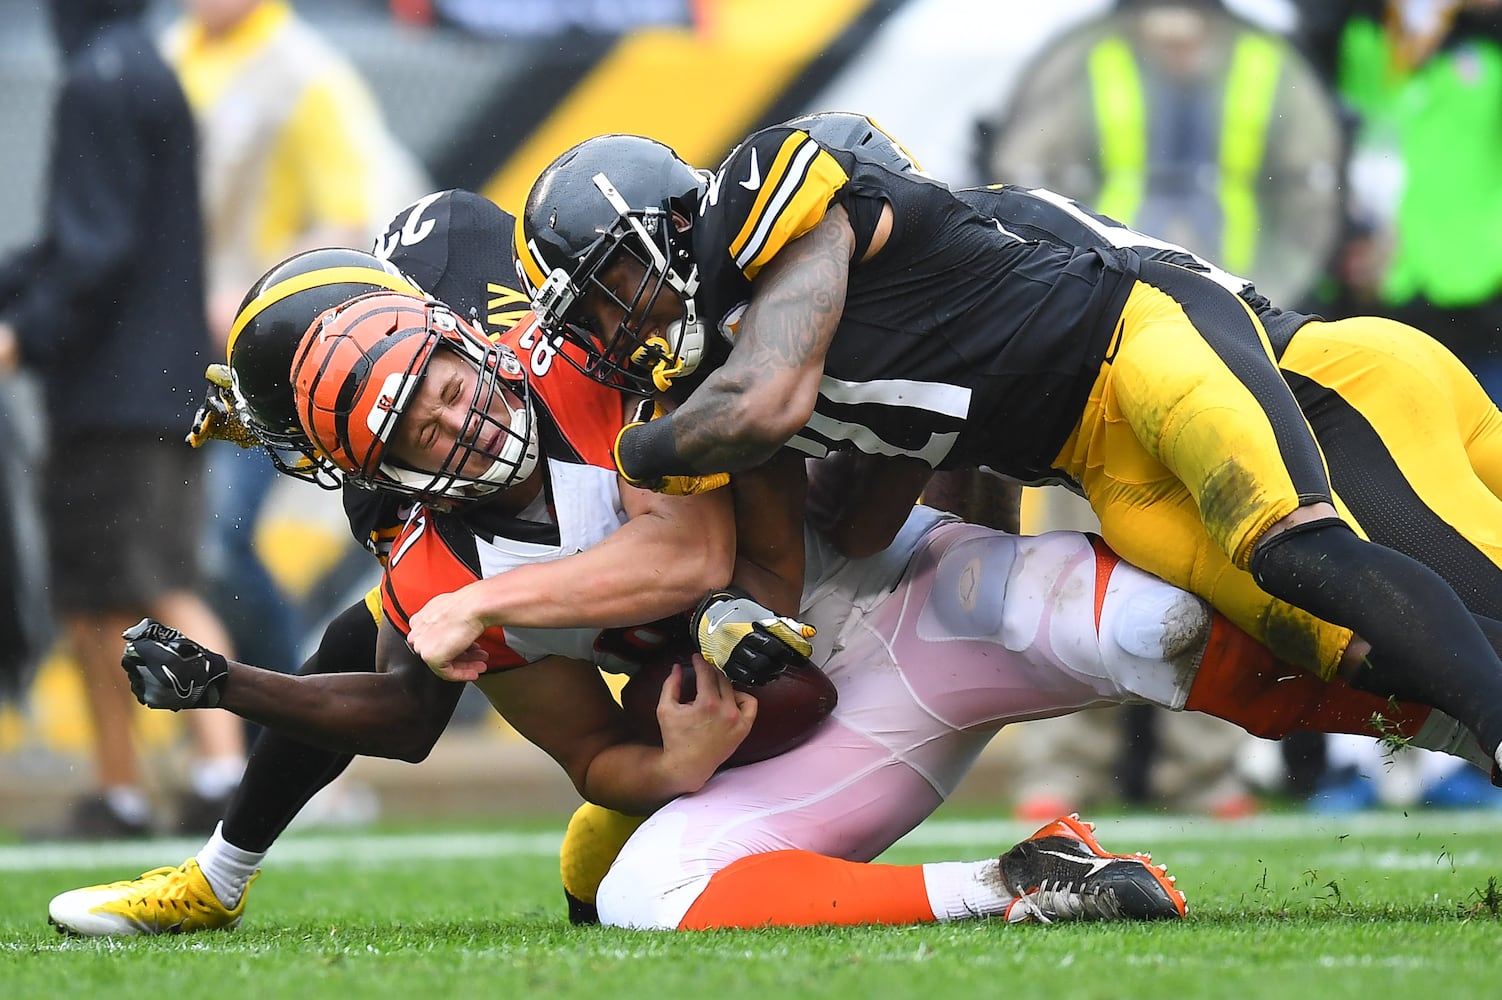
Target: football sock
x,y
1240,681
227,868
802,889
963,890
1426,647
280,777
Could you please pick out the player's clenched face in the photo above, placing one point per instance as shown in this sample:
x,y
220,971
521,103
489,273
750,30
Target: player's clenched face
x,y
628,299
456,421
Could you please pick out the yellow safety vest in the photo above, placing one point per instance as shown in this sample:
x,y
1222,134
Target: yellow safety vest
x,y
1250,92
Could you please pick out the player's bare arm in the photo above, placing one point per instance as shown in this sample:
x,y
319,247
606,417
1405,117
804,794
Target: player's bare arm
x,y
766,389
398,712
660,562
769,501
563,706
749,407
860,501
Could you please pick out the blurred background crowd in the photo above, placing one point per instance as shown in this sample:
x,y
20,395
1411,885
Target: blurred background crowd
x,y
1346,156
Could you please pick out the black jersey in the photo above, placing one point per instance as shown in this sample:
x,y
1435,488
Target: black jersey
x,y
1040,214
456,246
959,344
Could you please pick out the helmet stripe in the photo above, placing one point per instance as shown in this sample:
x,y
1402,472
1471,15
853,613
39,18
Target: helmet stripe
x,y
273,294
527,266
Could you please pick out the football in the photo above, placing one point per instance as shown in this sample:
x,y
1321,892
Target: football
x,y
788,707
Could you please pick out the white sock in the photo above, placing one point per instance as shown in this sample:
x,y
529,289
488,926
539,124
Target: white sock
x,y
964,890
227,867
129,803
216,777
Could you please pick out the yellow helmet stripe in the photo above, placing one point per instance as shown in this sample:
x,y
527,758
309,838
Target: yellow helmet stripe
x,y
527,264
273,294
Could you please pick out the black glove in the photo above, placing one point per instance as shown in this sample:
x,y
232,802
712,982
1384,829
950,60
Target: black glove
x,y
745,639
169,670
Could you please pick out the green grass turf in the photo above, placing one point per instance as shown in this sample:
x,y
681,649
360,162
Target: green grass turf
x,y
1380,906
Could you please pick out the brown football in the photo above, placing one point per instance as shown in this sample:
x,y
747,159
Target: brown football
x,y
788,707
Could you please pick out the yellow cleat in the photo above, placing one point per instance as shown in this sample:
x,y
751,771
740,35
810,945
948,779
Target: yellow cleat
x,y
164,901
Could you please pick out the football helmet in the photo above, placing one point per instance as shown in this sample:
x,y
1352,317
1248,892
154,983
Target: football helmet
x,y
606,199
359,365
272,319
857,133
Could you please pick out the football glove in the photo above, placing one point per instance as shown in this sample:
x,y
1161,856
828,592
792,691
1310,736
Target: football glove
x,y
745,639
217,419
169,670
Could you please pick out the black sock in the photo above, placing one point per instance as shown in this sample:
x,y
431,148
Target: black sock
x,y
281,773
1426,647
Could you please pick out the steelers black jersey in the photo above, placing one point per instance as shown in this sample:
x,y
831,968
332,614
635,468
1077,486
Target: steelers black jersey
x,y
959,344
456,246
1040,214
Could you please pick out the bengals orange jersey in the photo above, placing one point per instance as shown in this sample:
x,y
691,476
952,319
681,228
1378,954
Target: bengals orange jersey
x,y
580,505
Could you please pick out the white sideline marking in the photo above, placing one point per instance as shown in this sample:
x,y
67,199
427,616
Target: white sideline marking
x,y
355,848
1118,833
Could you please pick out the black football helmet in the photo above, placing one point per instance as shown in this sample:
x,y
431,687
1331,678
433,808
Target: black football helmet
x,y
610,196
857,133
276,312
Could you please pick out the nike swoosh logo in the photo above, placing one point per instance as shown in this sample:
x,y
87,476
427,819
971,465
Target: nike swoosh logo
x,y
1095,864
715,623
177,685
754,181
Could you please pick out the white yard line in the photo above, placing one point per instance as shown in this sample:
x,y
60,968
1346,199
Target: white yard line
x,y
1119,833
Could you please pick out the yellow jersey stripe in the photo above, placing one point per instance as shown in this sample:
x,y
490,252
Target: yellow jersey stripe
x,y
776,178
797,206
526,262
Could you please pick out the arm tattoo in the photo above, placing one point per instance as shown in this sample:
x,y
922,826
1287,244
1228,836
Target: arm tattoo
x,y
795,308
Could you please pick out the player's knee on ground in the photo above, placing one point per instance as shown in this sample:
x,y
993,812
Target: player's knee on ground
x,y
591,842
651,885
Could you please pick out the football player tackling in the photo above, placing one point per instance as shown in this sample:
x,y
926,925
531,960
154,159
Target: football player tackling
x,y
1028,627
818,292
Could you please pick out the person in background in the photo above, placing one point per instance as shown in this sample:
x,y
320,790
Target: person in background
x,y
1420,84
294,154
107,310
1187,122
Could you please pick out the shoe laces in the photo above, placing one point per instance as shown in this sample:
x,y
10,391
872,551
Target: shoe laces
x,y
1064,901
160,889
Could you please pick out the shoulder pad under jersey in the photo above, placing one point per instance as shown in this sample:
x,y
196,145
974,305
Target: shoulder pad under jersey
x,y
773,188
